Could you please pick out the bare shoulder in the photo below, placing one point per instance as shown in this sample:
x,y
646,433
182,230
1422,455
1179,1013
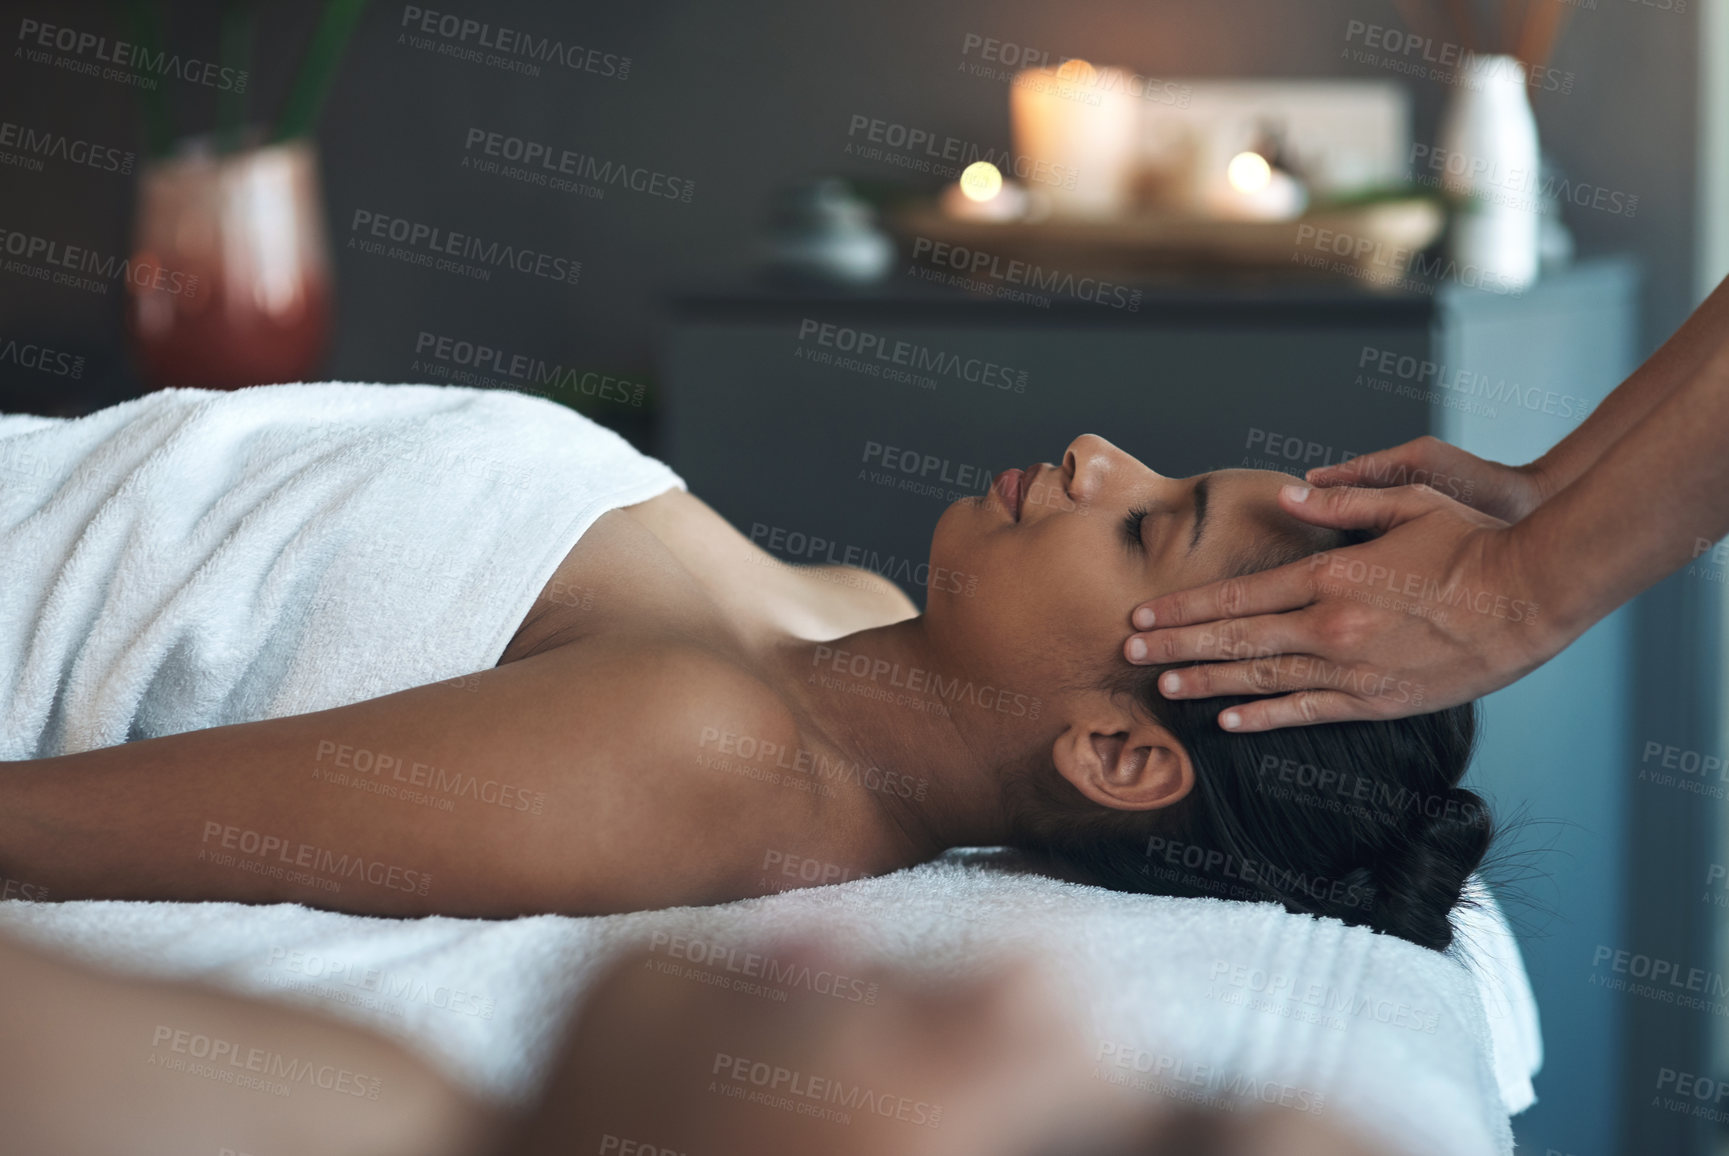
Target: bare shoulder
x,y
689,770
685,690
662,696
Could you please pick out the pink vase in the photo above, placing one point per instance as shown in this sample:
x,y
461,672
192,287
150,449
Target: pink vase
x,y
230,277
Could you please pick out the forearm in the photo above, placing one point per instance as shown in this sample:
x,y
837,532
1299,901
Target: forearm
x,y
1681,357
1640,512
99,1064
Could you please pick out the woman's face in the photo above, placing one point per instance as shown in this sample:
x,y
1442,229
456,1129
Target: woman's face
x,y
1053,583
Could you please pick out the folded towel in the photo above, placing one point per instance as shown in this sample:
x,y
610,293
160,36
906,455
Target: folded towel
x,y
1207,999
1485,946
194,557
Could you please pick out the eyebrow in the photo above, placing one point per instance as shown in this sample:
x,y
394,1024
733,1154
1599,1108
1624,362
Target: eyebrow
x,y
1201,488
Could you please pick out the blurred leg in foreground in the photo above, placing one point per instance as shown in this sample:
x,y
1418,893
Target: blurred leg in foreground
x,y
93,1064
656,1063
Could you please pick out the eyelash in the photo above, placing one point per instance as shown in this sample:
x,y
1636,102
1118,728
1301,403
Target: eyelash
x,y
1132,526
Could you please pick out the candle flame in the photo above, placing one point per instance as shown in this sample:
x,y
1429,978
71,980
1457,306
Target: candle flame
x,y
1249,172
981,181
1076,71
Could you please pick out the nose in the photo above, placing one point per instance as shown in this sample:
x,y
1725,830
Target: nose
x,y
1092,462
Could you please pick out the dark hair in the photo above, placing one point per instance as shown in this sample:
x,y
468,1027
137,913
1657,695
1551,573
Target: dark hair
x,y
1361,821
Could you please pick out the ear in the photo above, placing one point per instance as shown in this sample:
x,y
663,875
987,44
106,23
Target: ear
x,y
1118,758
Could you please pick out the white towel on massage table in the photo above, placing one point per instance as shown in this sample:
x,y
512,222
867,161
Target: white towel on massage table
x,y
194,558
1207,999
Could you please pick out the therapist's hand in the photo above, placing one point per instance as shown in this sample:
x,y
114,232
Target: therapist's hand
x,y
1436,611
1505,492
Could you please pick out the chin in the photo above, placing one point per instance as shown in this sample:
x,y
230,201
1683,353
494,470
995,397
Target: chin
x,y
950,527
955,540
952,552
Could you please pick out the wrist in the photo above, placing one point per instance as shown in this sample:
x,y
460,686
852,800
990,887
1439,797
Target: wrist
x,y
1561,610
1550,474
1545,477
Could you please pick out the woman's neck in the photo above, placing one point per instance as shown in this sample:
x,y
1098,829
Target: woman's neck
x,y
889,700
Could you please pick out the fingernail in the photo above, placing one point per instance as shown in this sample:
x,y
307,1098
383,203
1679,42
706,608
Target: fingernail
x,y
1231,721
1297,493
1171,684
1137,650
1143,618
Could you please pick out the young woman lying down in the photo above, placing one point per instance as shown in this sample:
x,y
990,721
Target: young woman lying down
x,y
678,718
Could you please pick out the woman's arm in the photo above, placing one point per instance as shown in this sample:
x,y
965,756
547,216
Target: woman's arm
x,y
566,782
1511,493
1640,513
1678,360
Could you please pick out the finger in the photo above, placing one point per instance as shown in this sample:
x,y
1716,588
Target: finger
x,y
1268,673
1358,507
1304,708
1267,592
1358,472
1257,636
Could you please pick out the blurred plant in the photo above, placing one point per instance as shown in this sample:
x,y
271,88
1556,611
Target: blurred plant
x,y
237,33
313,82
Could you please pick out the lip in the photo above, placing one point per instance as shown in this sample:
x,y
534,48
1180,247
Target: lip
x,y
1010,487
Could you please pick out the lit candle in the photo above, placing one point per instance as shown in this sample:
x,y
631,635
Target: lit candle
x,y
1075,132
982,195
1253,190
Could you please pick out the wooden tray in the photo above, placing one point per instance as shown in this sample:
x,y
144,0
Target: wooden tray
x,y
1374,242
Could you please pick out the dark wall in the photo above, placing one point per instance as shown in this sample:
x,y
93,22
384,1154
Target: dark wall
x,y
739,98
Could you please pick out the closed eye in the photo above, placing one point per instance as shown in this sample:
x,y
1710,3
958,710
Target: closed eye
x,y
1132,527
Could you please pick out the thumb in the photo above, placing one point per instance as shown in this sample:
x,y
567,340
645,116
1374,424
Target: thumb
x,y
1357,507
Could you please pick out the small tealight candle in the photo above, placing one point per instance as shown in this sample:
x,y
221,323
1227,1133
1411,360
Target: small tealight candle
x,y
982,195
1249,172
1253,190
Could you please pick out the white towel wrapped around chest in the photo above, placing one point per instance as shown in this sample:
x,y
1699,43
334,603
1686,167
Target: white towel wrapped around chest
x,y
193,557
